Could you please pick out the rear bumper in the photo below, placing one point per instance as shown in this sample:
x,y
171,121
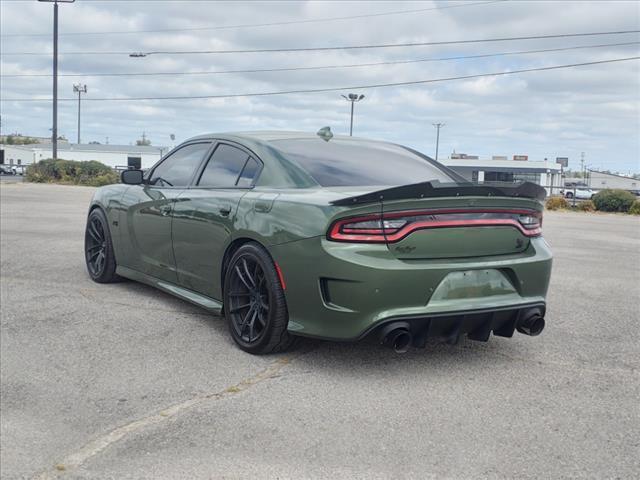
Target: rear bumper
x,y
344,291
475,324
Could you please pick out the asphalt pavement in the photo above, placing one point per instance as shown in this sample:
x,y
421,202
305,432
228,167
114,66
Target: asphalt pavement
x,y
11,178
123,381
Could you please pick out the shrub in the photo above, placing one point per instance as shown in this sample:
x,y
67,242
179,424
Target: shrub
x,y
612,200
72,172
586,206
635,208
557,203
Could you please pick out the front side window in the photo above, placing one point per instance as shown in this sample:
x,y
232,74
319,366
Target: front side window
x,y
229,167
178,169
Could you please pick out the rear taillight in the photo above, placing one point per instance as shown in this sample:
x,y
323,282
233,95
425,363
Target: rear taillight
x,y
394,226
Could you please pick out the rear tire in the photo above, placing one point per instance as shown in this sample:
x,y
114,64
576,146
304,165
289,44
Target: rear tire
x,y
98,249
569,195
254,304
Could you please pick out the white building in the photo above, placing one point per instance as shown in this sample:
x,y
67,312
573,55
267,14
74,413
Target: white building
x,y
600,180
498,169
116,156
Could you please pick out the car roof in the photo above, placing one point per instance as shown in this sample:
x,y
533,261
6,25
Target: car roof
x,y
280,171
273,135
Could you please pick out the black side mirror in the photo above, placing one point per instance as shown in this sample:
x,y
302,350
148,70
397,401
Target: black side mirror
x,y
132,177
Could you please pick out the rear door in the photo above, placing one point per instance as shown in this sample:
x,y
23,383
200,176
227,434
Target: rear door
x,y
204,216
148,207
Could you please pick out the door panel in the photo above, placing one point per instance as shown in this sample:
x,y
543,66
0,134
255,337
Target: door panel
x,y
202,224
204,217
148,207
147,231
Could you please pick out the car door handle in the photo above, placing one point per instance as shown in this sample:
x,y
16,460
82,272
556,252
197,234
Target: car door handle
x,y
225,211
165,210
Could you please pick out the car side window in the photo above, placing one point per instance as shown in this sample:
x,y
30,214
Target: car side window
x,y
249,173
177,169
226,168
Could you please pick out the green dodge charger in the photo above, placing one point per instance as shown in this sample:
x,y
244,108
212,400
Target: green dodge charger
x,y
293,234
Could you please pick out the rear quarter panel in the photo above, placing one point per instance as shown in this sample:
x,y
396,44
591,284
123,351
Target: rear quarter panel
x,y
276,216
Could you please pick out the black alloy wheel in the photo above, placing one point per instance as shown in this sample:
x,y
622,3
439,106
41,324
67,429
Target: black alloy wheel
x,y
98,249
254,302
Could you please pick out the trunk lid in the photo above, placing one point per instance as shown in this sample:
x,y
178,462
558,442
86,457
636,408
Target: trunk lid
x,y
432,221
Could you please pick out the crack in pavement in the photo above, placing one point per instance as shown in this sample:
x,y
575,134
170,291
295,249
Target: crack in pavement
x,y
77,458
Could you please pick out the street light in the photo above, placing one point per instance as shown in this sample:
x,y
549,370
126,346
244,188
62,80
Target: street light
x,y
353,98
54,130
79,89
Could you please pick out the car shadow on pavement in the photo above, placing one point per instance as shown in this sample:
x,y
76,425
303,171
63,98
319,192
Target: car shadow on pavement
x,y
364,354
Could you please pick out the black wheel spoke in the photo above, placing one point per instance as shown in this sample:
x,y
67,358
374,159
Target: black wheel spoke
x,y
239,307
248,299
245,319
248,275
100,261
239,294
94,233
251,329
241,277
94,255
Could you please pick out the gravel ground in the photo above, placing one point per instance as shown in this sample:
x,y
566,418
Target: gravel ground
x,y
123,381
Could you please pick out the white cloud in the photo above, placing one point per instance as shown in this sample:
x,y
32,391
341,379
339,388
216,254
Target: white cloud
x,y
556,113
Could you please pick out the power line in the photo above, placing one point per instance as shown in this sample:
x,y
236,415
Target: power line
x,y
255,25
343,47
319,67
331,89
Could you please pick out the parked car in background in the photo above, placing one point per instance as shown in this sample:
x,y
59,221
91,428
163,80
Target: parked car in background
x,y
7,170
581,193
292,234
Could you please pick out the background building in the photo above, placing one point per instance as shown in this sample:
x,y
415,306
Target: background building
x,y
116,156
499,169
599,180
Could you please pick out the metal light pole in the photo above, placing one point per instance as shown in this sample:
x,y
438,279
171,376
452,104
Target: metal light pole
x,y
54,129
438,127
80,89
353,98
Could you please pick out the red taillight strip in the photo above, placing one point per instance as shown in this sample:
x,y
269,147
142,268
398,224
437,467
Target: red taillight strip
x,y
337,233
489,222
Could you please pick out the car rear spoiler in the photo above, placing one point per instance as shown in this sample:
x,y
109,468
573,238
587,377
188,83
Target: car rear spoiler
x,y
437,189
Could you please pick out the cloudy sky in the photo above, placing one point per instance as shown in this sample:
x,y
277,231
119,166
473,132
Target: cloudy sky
x,y
593,109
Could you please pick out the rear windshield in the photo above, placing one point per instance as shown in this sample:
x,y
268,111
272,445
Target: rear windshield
x,y
352,162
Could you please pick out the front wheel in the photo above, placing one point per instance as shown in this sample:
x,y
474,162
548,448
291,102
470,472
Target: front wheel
x,y
254,303
98,249
569,195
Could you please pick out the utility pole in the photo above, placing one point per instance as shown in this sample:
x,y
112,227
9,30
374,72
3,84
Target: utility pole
x,y
438,127
582,170
80,89
353,98
54,129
